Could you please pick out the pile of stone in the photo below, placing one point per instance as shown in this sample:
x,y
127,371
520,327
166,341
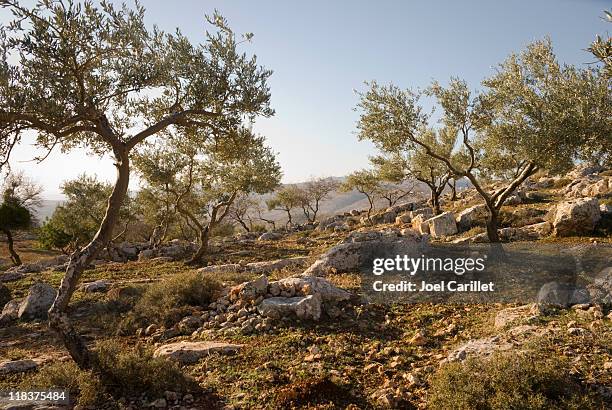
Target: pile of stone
x,y
259,305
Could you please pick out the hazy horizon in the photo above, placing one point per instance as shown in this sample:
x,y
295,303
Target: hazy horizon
x,y
321,51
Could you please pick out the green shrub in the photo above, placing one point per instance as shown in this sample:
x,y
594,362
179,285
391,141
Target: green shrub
x,y
507,381
167,301
131,372
51,236
67,376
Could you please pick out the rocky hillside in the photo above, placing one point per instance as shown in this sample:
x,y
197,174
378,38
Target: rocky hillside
x,y
281,319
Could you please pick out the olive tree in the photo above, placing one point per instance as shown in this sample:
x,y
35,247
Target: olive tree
x,y
365,182
241,211
315,191
20,198
205,180
286,199
531,116
601,48
81,75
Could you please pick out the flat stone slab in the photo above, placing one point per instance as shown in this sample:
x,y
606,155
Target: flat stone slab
x,y
190,352
17,366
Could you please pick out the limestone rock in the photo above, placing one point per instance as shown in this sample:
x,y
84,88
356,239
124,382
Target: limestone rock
x,y
17,366
190,352
478,348
304,307
420,224
471,217
250,290
561,295
269,236
278,264
357,250
96,286
310,285
576,217
38,301
403,219
427,212
10,311
442,225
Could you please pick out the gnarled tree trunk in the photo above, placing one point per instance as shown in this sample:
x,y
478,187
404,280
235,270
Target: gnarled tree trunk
x,y
10,243
79,260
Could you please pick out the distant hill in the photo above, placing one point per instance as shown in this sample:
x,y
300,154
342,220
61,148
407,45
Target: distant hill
x,y
338,203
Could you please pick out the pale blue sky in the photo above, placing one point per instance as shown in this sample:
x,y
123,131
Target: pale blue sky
x,y
321,51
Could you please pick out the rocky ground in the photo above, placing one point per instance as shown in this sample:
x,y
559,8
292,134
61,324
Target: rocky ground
x,y
279,320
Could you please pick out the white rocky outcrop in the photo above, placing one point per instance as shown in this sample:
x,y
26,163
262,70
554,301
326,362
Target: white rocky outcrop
x,y
576,217
37,303
442,225
471,217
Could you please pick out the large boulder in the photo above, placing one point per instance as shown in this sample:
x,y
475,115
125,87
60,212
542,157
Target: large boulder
x,y
359,248
190,352
472,216
304,307
38,301
588,186
442,225
526,233
576,217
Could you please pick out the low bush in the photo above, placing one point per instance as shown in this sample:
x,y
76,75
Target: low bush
x,y
168,300
508,381
127,372
84,386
